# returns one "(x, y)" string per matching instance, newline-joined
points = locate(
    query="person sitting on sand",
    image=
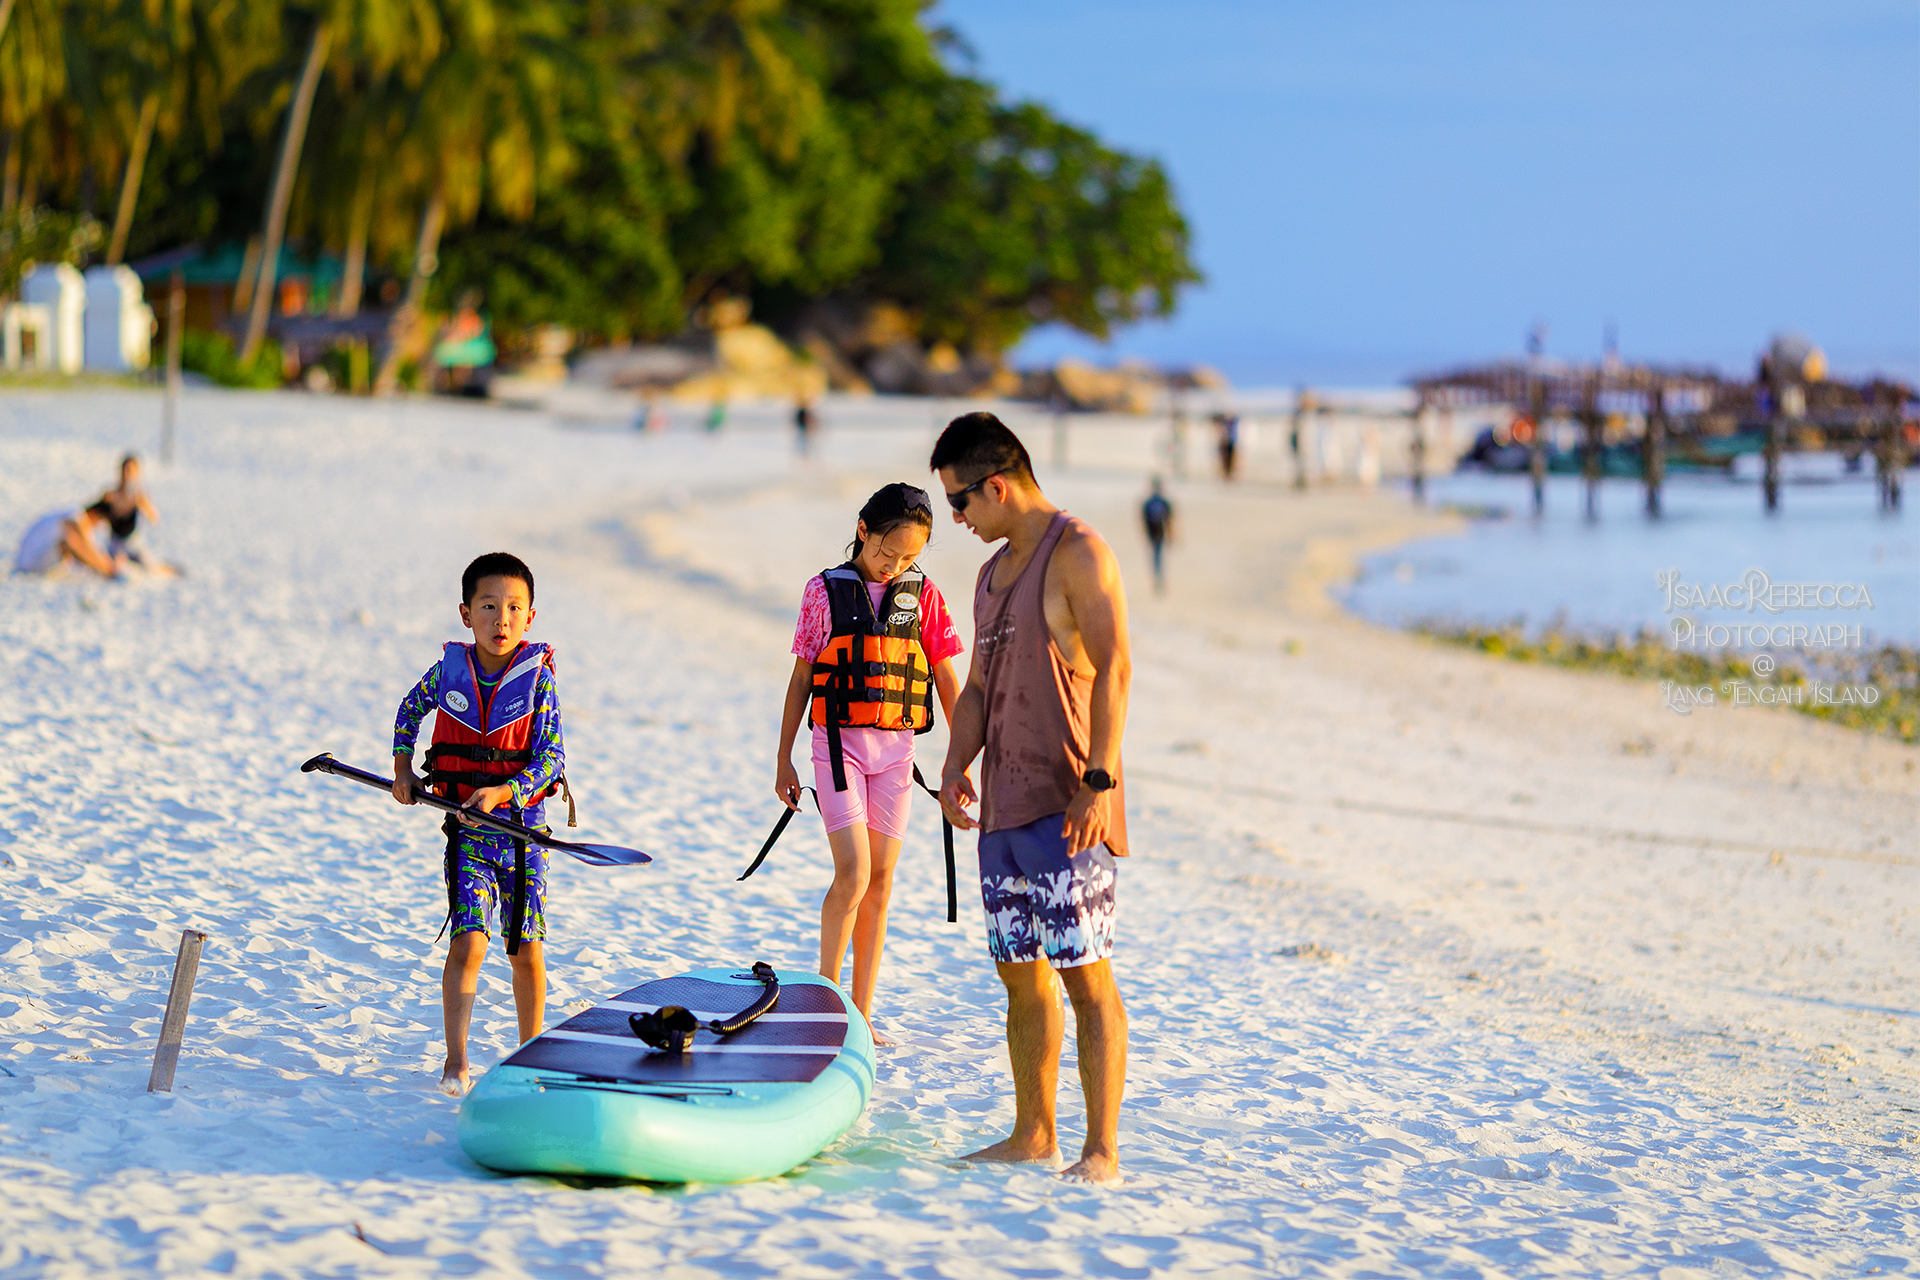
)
(877, 609)
(123, 506)
(496, 741)
(66, 536)
(1046, 701)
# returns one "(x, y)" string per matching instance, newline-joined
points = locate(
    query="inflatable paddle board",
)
(589, 1097)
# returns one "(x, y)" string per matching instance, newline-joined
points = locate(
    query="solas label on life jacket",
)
(456, 700)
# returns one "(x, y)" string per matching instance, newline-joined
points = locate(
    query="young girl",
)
(873, 645)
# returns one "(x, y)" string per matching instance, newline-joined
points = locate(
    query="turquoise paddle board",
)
(588, 1097)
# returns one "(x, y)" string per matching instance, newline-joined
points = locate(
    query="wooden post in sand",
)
(173, 1028)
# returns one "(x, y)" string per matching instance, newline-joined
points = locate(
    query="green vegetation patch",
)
(1892, 671)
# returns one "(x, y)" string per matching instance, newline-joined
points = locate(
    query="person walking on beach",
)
(1046, 700)
(1227, 427)
(873, 645)
(803, 424)
(496, 742)
(1157, 514)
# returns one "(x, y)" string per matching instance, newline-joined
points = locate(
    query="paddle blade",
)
(605, 855)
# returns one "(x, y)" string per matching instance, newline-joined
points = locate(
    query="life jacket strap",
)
(474, 751)
(517, 913)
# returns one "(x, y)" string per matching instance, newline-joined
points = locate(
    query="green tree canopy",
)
(626, 162)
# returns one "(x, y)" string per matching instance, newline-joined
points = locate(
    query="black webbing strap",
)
(473, 751)
(839, 683)
(946, 838)
(773, 837)
(517, 913)
(452, 827)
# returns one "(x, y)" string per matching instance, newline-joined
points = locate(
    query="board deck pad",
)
(794, 1043)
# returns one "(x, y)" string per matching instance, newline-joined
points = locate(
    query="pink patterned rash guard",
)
(938, 636)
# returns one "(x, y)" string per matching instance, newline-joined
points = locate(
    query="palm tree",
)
(33, 75)
(373, 36)
(483, 123)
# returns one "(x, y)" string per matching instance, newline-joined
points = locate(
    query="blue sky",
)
(1379, 187)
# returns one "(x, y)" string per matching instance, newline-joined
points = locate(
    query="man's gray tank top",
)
(1038, 708)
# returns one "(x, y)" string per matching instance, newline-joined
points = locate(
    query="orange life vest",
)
(873, 672)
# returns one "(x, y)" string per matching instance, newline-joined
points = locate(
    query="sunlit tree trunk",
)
(359, 221)
(407, 314)
(10, 178)
(283, 175)
(130, 182)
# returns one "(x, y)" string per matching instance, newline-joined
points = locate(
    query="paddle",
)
(600, 855)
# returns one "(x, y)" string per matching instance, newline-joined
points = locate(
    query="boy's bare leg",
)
(530, 989)
(458, 984)
(1035, 1024)
(850, 864)
(1100, 1036)
(870, 922)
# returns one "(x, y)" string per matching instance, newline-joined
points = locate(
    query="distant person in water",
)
(67, 536)
(1157, 514)
(1046, 701)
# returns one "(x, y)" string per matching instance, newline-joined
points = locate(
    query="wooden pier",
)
(1695, 417)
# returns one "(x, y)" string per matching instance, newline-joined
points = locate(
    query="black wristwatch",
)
(1099, 780)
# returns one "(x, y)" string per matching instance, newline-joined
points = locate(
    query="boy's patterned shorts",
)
(483, 886)
(1040, 902)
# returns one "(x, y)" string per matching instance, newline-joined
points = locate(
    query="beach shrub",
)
(212, 355)
(1893, 670)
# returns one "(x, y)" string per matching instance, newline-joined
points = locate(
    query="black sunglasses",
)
(958, 501)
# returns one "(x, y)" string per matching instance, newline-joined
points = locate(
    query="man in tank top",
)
(1046, 701)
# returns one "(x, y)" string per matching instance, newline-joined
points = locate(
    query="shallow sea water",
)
(1601, 576)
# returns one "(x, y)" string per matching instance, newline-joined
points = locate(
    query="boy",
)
(496, 742)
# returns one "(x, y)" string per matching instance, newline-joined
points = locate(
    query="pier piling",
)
(1537, 447)
(1653, 451)
(1770, 460)
(1590, 455)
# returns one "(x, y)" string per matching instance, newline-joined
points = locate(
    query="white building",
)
(62, 291)
(119, 323)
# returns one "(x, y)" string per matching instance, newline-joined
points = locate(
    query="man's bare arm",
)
(1090, 581)
(966, 736)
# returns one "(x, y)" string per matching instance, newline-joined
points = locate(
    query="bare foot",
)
(1101, 1170)
(1008, 1151)
(454, 1083)
(880, 1041)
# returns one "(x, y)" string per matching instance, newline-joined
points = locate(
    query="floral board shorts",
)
(483, 886)
(1041, 902)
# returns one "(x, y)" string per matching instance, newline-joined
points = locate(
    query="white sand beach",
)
(1437, 965)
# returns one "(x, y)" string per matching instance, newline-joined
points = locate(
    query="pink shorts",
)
(879, 767)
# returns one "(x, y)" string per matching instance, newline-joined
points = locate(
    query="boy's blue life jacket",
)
(481, 738)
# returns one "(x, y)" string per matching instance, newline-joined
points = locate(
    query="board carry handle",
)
(599, 855)
(671, 1028)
